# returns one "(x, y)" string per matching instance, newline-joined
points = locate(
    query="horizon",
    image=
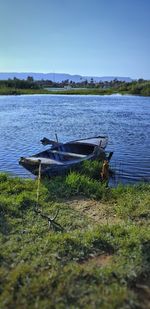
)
(59, 77)
(71, 74)
(90, 38)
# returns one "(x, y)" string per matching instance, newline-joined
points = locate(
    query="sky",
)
(87, 37)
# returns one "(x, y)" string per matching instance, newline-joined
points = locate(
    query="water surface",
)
(24, 120)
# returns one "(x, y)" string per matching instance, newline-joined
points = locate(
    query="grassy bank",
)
(99, 259)
(88, 91)
(73, 91)
(14, 91)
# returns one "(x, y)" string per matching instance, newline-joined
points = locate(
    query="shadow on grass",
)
(4, 225)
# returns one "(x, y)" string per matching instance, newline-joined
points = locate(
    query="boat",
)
(62, 157)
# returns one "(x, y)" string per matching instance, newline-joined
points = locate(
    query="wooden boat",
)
(62, 157)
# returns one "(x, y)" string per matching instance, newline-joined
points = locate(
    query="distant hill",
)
(59, 77)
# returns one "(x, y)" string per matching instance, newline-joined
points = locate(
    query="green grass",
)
(16, 91)
(41, 268)
(73, 91)
(88, 91)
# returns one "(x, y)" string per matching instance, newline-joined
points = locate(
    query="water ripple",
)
(24, 120)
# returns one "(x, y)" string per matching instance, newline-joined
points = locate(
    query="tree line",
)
(16, 83)
(136, 87)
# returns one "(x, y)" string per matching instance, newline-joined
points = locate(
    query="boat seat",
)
(43, 160)
(71, 154)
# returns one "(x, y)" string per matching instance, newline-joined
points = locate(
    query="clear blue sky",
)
(88, 37)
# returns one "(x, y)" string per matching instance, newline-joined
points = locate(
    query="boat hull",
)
(60, 159)
(51, 170)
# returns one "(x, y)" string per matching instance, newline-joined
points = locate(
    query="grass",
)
(141, 88)
(17, 91)
(88, 91)
(89, 264)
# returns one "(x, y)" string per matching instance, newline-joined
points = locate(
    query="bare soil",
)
(102, 213)
(99, 260)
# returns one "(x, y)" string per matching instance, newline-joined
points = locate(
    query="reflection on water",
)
(24, 120)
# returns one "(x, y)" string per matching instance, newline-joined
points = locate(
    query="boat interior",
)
(66, 152)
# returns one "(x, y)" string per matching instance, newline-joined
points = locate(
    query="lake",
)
(24, 120)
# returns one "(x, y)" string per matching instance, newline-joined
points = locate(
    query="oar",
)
(45, 141)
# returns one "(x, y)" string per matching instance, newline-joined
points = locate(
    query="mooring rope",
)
(38, 185)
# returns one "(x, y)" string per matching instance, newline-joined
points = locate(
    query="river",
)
(24, 120)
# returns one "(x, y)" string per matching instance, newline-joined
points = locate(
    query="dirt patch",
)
(99, 260)
(100, 212)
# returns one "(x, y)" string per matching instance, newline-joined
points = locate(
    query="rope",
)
(38, 185)
(51, 221)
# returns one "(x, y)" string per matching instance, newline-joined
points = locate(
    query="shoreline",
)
(17, 92)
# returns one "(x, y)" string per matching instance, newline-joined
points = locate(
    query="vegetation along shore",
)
(29, 86)
(81, 245)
